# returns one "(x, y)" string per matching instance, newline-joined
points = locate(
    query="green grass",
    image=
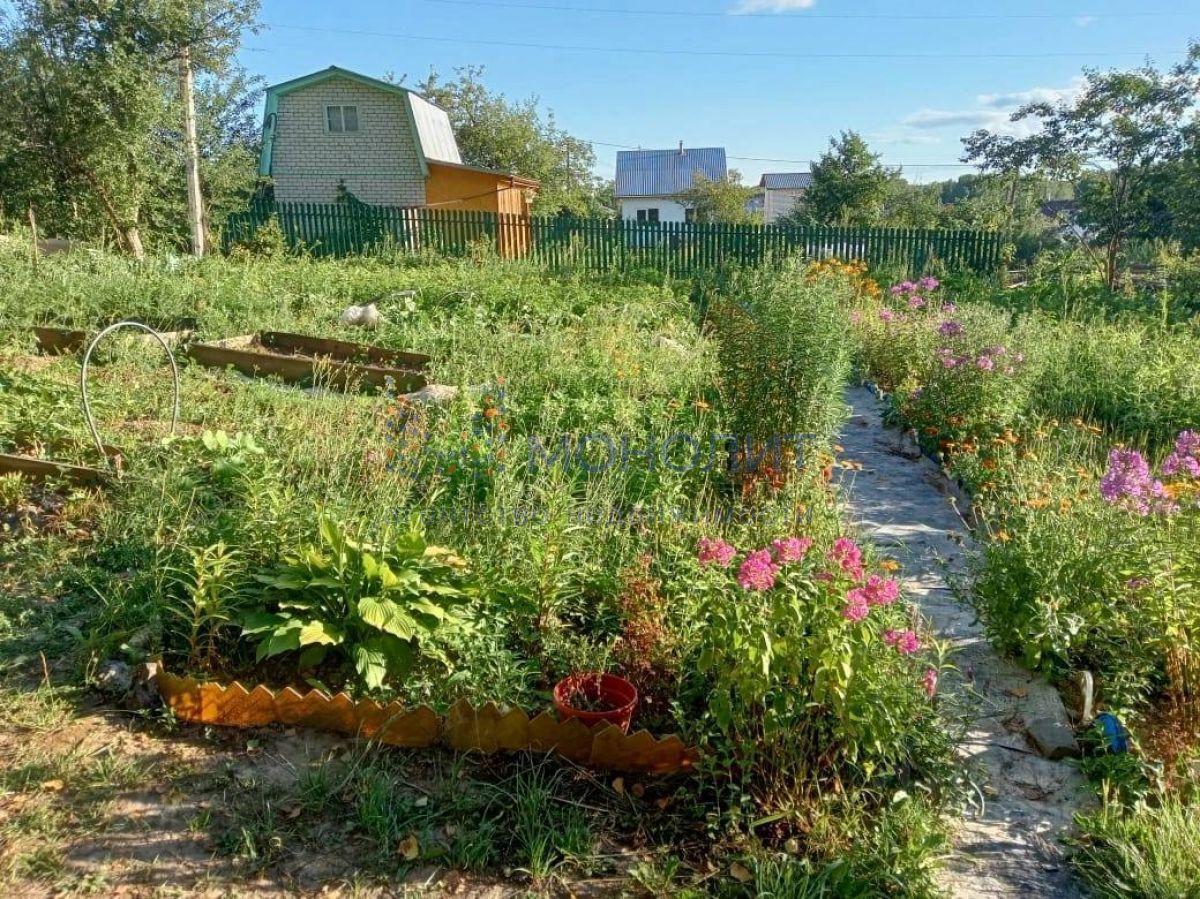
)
(163, 563)
(1149, 852)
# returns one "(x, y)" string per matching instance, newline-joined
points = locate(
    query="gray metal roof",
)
(663, 173)
(433, 128)
(785, 180)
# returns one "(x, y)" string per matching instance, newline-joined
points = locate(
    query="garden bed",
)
(297, 358)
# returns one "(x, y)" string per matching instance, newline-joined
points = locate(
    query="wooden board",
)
(59, 341)
(342, 350)
(241, 354)
(47, 468)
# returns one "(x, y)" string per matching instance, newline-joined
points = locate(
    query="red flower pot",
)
(611, 698)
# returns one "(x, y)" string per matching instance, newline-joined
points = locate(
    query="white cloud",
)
(1013, 99)
(912, 139)
(990, 111)
(1085, 21)
(945, 118)
(746, 6)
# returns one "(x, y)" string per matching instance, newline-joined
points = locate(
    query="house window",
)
(647, 215)
(341, 119)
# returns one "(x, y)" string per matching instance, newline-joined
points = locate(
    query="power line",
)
(658, 51)
(806, 16)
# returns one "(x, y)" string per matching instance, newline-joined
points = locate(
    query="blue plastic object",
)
(1115, 735)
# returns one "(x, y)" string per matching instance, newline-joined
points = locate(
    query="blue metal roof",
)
(662, 173)
(785, 180)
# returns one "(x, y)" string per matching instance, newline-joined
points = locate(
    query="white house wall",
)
(379, 163)
(668, 210)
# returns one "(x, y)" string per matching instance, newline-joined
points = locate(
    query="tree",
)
(719, 200)
(92, 101)
(849, 185)
(497, 133)
(1110, 141)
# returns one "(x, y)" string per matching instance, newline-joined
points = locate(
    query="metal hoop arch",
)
(83, 373)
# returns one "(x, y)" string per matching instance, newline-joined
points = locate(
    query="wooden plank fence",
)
(673, 248)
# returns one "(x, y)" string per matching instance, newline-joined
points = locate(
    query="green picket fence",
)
(674, 248)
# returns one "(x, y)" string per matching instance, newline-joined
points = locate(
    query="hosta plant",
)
(382, 606)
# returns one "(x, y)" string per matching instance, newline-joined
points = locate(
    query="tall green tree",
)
(849, 185)
(515, 136)
(93, 102)
(720, 200)
(1110, 141)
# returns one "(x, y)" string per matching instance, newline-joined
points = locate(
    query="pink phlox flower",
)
(930, 682)
(857, 607)
(904, 642)
(886, 315)
(915, 302)
(758, 571)
(715, 552)
(929, 283)
(985, 363)
(950, 329)
(949, 307)
(881, 591)
(846, 554)
(791, 549)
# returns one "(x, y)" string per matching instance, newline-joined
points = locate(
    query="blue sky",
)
(763, 78)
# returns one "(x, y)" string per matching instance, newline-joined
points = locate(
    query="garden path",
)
(1009, 843)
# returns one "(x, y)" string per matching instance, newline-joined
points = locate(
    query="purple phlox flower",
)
(791, 549)
(950, 329)
(715, 552)
(1127, 483)
(886, 315)
(1186, 457)
(904, 287)
(929, 283)
(758, 571)
(949, 307)
(985, 363)
(995, 351)
(896, 290)
(950, 361)
(916, 302)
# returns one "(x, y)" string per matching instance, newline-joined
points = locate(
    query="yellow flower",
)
(889, 565)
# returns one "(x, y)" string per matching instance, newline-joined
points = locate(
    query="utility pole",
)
(191, 153)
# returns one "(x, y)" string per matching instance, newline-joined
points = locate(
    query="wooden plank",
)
(40, 469)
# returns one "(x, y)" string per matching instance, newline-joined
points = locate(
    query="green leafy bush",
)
(383, 606)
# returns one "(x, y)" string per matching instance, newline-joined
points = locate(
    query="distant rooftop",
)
(663, 173)
(786, 180)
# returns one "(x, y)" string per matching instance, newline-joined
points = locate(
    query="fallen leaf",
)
(52, 786)
(619, 786)
(409, 848)
(421, 801)
(740, 873)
